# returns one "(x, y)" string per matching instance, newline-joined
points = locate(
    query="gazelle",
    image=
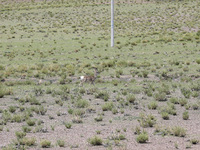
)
(88, 78)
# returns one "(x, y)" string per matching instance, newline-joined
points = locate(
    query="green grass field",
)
(150, 80)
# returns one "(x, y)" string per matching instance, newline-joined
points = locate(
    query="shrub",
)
(119, 137)
(33, 100)
(131, 98)
(183, 101)
(95, 141)
(39, 122)
(114, 111)
(21, 108)
(6, 116)
(186, 92)
(195, 94)
(195, 86)
(163, 131)
(145, 74)
(17, 118)
(45, 144)
(1, 128)
(118, 73)
(61, 143)
(121, 63)
(178, 131)
(20, 135)
(82, 91)
(30, 122)
(62, 81)
(82, 103)
(51, 117)
(148, 92)
(188, 145)
(153, 105)
(170, 109)
(70, 70)
(77, 119)
(2, 92)
(103, 95)
(40, 110)
(65, 89)
(165, 115)
(27, 141)
(124, 91)
(142, 138)
(12, 109)
(26, 129)
(79, 112)
(48, 91)
(98, 132)
(185, 115)
(2, 122)
(2, 67)
(174, 100)
(107, 106)
(59, 102)
(99, 118)
(160, 96)
(137, 130)
(147, 120)
(68, 125)
(187, 107)
(70, 111)
(198, 61)
(194, 141)
(195, 106)
(38, 91)
(115, 82)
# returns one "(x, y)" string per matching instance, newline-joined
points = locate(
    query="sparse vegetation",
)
(185, 115)
(61, 143)
(99, 118)
(153, 105)
(131, 98)
(2, 91)
(30, 122)
(178, 131)
(45, 144)
(107, 106)
(28, 141)
(142, 137)
(68, 125)
(165, 115)
(194, 141)
(151, 74)
(147, 120)
(20, 135)
(95, 141)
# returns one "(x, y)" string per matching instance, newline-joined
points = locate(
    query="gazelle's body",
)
(40, 81)
(88, 78)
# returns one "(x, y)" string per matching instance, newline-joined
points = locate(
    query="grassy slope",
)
(160, 38)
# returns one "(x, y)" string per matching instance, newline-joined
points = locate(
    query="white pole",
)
(112, 23)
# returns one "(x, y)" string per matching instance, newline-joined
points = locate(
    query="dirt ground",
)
(112, 125)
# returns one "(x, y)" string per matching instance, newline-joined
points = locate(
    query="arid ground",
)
(146, 95)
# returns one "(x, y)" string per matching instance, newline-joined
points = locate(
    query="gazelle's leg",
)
(92, 82)
(82, 81)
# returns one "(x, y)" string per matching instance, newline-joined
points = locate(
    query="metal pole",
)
(112, 23)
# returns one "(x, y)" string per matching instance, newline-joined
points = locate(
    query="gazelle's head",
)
(81, 77)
